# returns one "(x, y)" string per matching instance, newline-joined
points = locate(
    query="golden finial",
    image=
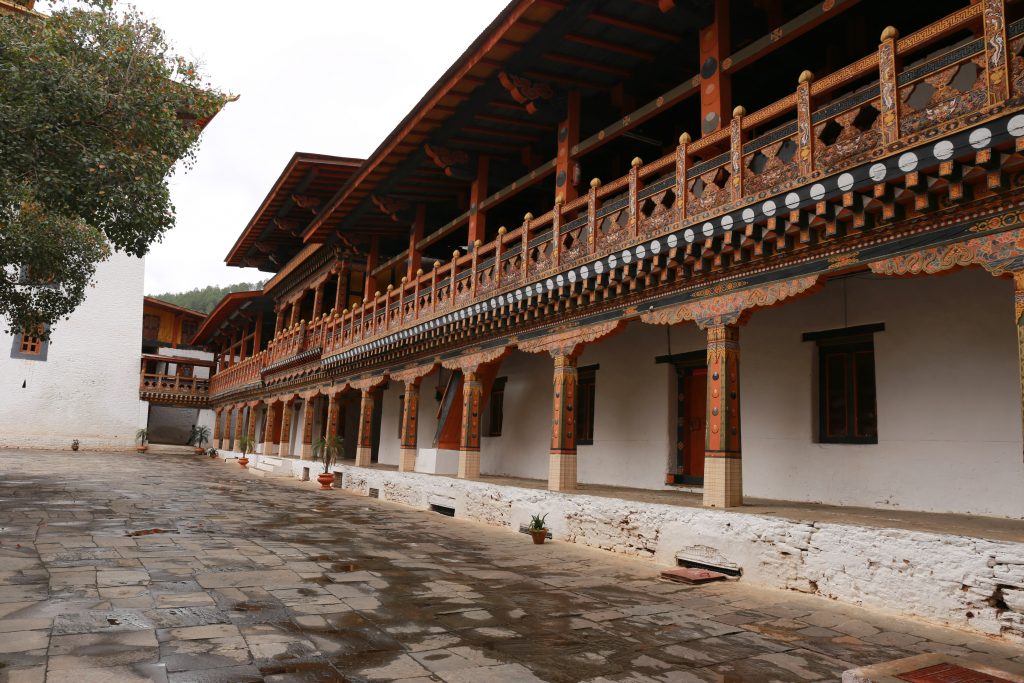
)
(403, 280)
(595, 183)
(528, 217)
(419, 271)
(476, 244)
(806, 76)
(502, 230)
(738, 112)
(455, 254)
(890, 33)
(684, 139)
(376, 294)
(636, 163)
(390, 287)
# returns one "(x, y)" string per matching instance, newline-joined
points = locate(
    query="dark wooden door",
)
(691, 418)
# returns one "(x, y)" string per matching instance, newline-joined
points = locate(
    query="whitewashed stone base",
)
(437, 461)
(969, 583)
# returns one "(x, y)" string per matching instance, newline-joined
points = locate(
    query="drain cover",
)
(949, 673)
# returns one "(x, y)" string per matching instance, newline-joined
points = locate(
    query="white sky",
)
(327, 76)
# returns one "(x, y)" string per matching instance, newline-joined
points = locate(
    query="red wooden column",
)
(568, 137)
(218, 416)
(469, 440)
(318, 300)
(341, 289)
(308, 411)
(370, 284)
(267, 439)
(478, 193)
(284, 440)
(562, 465)
(239, 419)
(410, 410)
(715, 88)
(723, 468)
(251, 428)
(364, 451)
(415, 235)
(332, 415)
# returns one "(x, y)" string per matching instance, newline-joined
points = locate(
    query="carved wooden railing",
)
(784, 145)
(179, 385)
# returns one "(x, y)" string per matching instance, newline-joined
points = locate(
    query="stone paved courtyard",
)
(124, 567)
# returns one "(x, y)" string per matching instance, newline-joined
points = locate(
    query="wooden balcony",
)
(715, 208)
(180, 387)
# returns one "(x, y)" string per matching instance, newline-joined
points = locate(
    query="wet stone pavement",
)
(121, 567)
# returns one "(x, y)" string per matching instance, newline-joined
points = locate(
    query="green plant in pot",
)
(328, 449)
(245, 446)
(141, 437)
(200, 436)
(538, 528)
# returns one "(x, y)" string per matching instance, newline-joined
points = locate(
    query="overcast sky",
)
(327, 76)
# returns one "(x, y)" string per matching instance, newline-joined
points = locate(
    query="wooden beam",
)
(715, 87)
(610, 46)
(415, 235)
(587, 64)
(370, 284)
(511, 121)
(477, 193)
(565, 162)
(634, 27)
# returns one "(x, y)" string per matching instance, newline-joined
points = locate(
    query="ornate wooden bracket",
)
(414, 373)
(288, 225)
(389, 206)
(569, 341)
(368, 383)
(446, 159)
(473, 360)
(524, 91)
(731, 308)
(312, 393)
(306, 202)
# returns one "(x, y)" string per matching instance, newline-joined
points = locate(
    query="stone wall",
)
(969, 583)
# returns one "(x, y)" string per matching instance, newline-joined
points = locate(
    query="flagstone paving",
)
(121, 567)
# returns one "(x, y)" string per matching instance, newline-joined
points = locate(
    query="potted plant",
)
(141, 437)
(327, 449)
(212, 452)
(537, 528)
(200, 435)
(245, 445)
(74, 444)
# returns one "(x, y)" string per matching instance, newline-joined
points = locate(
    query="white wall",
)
(390, 444)
(949, 404)
(199, 371)
(88, 387)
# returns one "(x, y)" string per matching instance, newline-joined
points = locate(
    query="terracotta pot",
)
(539, 536)
(326, 480)
(141, 449)
(244, 462)
(213, 455)
(200, 451)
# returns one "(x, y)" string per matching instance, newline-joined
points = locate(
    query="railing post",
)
(736, 152)
(682, 168)
(433, 288)
(634, 182)
(887, 86)
(556, 234)
(994, 19)
(416, 294)
(804, 136)
(526, 246)
(592, 206)
(387, 307)
(473, 274)
(453, 270)
(499, 248)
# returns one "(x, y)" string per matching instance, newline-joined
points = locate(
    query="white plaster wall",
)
(199, 371)
(88, 388)
(522, 448)
(948, 392)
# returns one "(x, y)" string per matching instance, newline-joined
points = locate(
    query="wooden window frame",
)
(496, 407)
(22, 348)
(586, 402)
(852, 344)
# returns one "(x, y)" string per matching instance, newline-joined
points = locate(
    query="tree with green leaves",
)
(96, 109)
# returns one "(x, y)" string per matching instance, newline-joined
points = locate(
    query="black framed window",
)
(495, 407)
(586, 394)
(847, 406)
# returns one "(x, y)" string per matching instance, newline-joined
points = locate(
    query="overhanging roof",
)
(274, 233)
(228, 306)
(174, 308)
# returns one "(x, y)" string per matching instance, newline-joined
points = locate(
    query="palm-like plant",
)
(245, 445)
(200, 435)
(142, 436)
(328, 449)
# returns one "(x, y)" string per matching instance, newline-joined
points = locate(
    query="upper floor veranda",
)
(899, 147)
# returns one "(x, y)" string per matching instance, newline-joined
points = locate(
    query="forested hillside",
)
(205, 298)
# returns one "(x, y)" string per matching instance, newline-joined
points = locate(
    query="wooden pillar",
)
(469, 440)
(568, 137)
(370, 284)
(410, 413)
(364, 451)
(218, 416)
(562, 465)
(257, 335)
(318, 300)
(332, 415)
(284, 444)
(339, 293)
(415, 235)
(478, 193)
(266, 447)
(723, 469)
(239, 420)
(306, 449)
(715, 88)
(280, 315)
(251, 430)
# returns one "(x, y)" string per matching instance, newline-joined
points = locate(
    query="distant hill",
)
(205, 298)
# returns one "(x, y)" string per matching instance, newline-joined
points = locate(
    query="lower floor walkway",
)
(164, 567)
